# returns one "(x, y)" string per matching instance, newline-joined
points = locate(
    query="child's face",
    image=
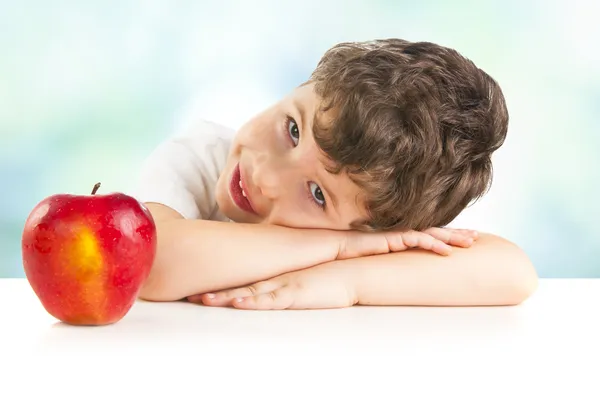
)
(283, 174)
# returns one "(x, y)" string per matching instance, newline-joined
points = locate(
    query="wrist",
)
(350, 274)
(349, 244)
(327, 241)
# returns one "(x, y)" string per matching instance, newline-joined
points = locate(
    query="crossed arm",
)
(207, 262)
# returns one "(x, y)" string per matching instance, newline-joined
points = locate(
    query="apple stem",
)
(95, 188)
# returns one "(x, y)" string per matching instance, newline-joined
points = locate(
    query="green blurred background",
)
(88, 89)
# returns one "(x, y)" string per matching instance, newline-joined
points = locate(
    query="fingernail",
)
(210, 296)
(470, 241)
(239, 299)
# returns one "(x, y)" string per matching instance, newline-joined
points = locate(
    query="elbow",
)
(159, 285)
(165, 284)
(523, 283)
(521, 279)
(153, 288)
(510, 277)
(151, 292)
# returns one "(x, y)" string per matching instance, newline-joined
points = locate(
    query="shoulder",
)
(201, 134)
(182, 171)
(198, 142)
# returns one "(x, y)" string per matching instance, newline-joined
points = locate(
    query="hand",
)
(329, 285)
(439, 240)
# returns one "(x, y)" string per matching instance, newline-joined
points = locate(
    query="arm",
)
(195, 256)
(177, 182)
(491, 272)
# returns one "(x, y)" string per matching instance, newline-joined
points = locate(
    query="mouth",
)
(239, 192)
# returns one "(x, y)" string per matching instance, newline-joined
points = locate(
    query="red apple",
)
(87, 256)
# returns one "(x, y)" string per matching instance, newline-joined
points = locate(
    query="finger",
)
(224, 298)
(195, 298)
(415, 239)
(472, 233)
(451, 237)
(468, 232)
(277, 299)
(428, 242)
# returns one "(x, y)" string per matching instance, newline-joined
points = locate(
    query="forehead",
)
(305, 98)
(349, 203)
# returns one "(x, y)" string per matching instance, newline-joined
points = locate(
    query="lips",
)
(239, 191)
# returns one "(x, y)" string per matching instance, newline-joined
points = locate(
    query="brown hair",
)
(414, 124)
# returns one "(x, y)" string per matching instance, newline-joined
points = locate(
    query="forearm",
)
(491, 272)
(197, 256)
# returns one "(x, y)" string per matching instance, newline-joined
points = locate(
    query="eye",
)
(317, 194)
(293, 130)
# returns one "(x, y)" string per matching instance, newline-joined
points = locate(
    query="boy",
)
(384, 145)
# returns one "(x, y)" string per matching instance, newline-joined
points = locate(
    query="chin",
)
(239, 220)
(231, 211)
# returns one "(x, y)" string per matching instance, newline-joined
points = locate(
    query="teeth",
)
(243, 193)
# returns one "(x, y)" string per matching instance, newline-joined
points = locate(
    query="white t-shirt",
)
(182, 172)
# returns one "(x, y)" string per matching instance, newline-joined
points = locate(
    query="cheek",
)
(260, 133)
(292, 211)
(222, 186)
(298, 219)
(221, 189)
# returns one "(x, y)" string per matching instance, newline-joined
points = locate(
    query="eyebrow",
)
(306, 127)
(302, 112)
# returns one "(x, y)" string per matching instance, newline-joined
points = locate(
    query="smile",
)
(239, 192)
(242, 188)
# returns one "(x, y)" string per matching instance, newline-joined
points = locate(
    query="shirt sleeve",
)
(182, 172)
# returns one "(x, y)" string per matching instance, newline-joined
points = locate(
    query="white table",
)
(172, 349)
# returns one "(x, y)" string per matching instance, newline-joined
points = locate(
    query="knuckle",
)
(442, 237)
(252, 289)
(427, 240)
(390, 242)
(418, 235)
(273, 295)
(407, 239)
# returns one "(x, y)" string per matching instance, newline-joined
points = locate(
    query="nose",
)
(270, 176)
